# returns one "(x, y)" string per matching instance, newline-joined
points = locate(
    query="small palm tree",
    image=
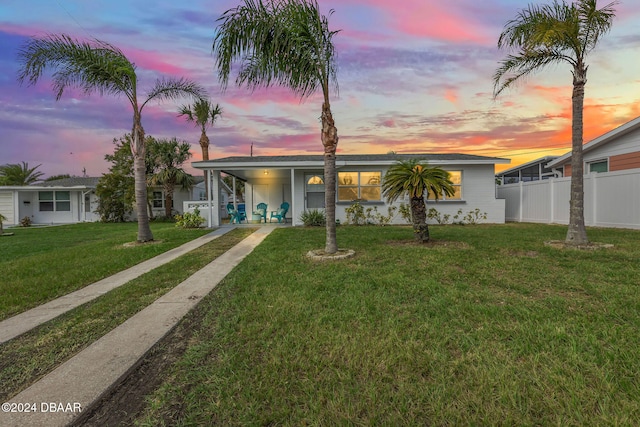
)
(98, 66)
(552, 34)
(15, 174)
(168, 157)
(286, 43)
(416, 180)
(202, 114)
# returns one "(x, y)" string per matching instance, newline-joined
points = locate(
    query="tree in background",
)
(416, 180)
(168, 156)
(552, 34)
(19, 174)
(98, 66)
(202, 114)
(116, 189)
(285, 43)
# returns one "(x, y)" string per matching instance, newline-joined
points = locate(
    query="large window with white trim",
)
(456, 179)
(365, 186)
(54, 201)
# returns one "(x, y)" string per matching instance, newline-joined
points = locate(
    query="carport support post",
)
(209, 191)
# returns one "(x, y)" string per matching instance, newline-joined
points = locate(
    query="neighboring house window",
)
(54, 201)
(87, 202)
(158, 200)
(202, 195)
(456, 179)
(359, 186)
(598, 166)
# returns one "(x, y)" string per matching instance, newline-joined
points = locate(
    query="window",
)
(456, 179)
(54, 201)
(314, 191)
(359, 186)
(158, 200)
(598, 166)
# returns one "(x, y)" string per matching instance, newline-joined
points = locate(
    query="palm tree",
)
(286, 43)
(416, 180)
(15, 174)
(2, 218)
(168, 157)
(552, 34)
(98, 66)
(202, 113)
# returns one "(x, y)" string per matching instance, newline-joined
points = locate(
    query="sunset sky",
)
(415, 76)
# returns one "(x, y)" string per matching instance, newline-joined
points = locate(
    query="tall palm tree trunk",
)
(168, 198)
(204, 144)
(330, 142)
(577, 233)
(140, 180)
(419, 219)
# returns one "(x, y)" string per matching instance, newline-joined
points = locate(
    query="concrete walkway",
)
(57, 398)
(23, 322)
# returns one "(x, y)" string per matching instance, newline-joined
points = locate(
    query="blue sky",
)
(414, 76)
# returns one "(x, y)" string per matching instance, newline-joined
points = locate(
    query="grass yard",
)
(40, 264)
(493, 328)
(32, 355)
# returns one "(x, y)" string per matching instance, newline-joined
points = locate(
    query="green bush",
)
(313, 218)
(357, 215)
(189, 219)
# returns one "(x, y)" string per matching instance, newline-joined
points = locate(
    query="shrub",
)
(405, 213)
(313, 218)
(472, 217)
(475, 216)
(355, 214)
(189, 219)
(25, 222)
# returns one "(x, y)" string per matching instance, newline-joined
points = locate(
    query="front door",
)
(314, 191)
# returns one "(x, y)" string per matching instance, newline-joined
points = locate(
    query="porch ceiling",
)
(256, 173)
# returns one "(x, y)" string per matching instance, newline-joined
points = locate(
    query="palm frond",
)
(95, 66)
(171, 88)
(415, 179)
(552, 33)
(286, 43)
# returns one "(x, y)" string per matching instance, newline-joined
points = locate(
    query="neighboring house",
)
(535, 170)
(62, 201)
(70, 200)
(616, 150)
(611, 183)
(299, 180)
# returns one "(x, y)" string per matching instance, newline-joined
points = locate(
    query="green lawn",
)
(492, 329)
(32, 355)
(40, 264)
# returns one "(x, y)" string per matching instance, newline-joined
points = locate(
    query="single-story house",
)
(62, 201)
(616, 150)
(534, 170)
(299, 180)
(72, 200)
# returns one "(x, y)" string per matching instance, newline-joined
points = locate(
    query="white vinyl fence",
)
(611, 199)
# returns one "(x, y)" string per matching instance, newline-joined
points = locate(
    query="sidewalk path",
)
(89, 374)
(25, 321)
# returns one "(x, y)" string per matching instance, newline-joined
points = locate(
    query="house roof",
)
(89, 182)
(542, 160)
(599, 141)
(75, 183)
(342, 160)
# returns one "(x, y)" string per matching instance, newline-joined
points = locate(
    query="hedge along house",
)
(63, 201)
(299, 180)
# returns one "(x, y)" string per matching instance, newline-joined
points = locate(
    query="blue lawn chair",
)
(281, 213)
